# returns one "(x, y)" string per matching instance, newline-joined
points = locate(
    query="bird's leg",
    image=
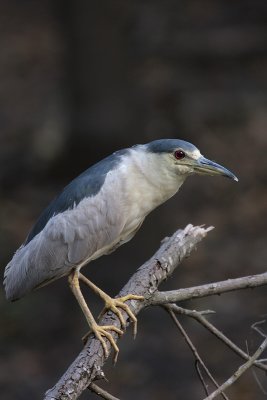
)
(115, 304)
(98, 330)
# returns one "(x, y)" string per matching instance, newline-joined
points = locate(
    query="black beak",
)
(208, 167)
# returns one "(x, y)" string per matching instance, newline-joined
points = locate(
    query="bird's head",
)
(184, 158)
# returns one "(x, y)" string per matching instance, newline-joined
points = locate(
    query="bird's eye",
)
(179, 154)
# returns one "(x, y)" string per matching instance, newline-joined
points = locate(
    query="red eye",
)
(179, 154)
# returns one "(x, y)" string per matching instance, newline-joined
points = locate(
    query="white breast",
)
(130, 192)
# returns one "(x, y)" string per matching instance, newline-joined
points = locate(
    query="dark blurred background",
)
(80, 79)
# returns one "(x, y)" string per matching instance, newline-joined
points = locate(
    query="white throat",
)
(149, 181)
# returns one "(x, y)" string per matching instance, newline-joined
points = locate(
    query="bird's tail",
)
(15, 276)
(32, 266)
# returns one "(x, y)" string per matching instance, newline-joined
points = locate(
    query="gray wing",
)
(86, 185)
(68, 240)
(76, 225)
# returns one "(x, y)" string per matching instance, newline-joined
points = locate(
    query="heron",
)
(96, 213)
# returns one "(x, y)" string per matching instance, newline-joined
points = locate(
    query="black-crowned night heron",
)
(96, 213)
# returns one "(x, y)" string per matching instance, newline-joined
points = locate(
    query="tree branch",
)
(198, 316)
(101, 392)
(88, 365)
(243, 368)
(195, 353)
(209, 289)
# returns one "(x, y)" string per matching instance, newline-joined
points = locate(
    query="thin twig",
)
(257, 379)
(193, 349)
(255, 376)
(202, 380)
(254, 373)
(239, 372)
(203, 321)
(101, 392)
(256, 327)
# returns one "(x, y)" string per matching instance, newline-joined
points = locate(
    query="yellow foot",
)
(119, 302)
(101, 331)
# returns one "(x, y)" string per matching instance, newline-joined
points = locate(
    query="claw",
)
(101, 331)
(119, 302)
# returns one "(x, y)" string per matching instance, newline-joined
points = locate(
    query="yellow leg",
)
(98, 330)
(115, 304)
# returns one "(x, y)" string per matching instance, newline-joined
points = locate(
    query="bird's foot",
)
(119, 302)
(110, 304)
(101, 332)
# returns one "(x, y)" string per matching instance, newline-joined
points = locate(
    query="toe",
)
(130, 297)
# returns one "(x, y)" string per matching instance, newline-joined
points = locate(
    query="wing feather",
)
(67, 241)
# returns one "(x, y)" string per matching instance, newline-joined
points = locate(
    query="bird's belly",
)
(125, 237)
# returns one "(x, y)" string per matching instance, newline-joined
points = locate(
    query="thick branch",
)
(209, 289)
(88, 365)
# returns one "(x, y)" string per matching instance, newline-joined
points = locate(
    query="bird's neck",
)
(150, 182)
